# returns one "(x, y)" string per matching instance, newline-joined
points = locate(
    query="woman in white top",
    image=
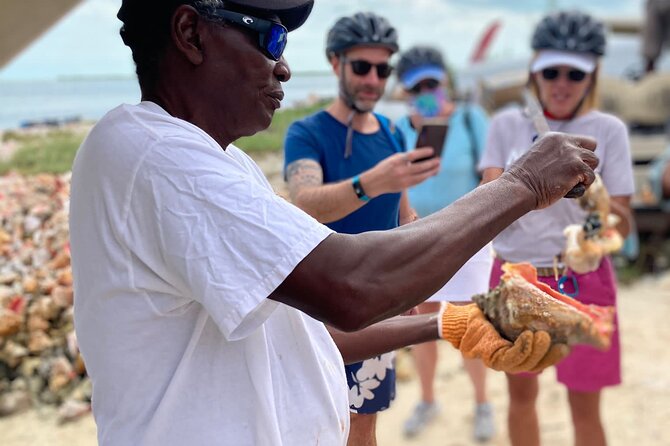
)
(563, 76)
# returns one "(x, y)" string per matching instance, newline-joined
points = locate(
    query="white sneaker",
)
(423, 414)
(484, 428)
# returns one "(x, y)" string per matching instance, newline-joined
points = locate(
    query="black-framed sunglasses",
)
(426, 84)
(574, 75)
(272, 36)
(363, 67)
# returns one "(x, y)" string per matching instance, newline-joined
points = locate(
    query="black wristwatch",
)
(358, 189)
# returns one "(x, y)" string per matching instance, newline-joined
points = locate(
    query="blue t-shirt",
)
(457, 174)
(321, 137)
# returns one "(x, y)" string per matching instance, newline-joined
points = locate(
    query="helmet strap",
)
(349, 101)
(349, 141)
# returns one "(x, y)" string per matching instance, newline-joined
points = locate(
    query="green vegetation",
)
(53, 151)
(272, 139)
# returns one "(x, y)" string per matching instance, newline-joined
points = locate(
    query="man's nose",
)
(282, 70)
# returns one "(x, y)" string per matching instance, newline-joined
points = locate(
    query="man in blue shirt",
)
(346, 167)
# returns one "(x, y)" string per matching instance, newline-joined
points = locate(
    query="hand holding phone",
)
(433, 133)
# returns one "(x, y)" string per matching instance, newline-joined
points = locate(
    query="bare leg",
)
(585, 409)
(524, 428)
(484, 423)
(477, 371)
(425, 357)
(363, 429)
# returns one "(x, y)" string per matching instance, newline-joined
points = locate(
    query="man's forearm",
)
(385, 336)
(421, 257)
(328, 202)
(369, 277)
(325, 202)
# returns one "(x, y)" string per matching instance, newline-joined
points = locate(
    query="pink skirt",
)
(586, 369)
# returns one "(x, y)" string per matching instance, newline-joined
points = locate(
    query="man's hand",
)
(398, 172)
(467, 329)
(554, 165)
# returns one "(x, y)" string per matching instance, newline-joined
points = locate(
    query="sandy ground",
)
(635, 413)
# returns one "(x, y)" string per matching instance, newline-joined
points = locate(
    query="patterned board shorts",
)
(371, 384)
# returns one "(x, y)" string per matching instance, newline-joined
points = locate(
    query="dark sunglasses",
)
(426, 84)
(550, 74)
(363, 67)
(271, 35)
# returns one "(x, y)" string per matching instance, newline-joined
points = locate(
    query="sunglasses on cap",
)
(574, 75)
(363, 67)
(272, 36)
(426, 84)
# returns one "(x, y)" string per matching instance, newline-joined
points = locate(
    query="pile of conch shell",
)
(588, 243)
(39, 358)
(520, 302)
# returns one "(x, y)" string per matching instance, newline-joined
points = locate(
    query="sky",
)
(86, 41)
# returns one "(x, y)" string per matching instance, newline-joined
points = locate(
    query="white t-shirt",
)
(472, 278)
(176, 245)
(538, 236)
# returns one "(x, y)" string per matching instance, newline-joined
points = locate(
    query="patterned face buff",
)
(430, 103)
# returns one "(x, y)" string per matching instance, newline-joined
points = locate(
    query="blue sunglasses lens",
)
(275, 41)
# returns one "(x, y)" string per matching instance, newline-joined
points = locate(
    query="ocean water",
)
(22, 102)
(90, 98)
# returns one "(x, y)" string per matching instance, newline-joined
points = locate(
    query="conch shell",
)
(587, 244)
(522, 303)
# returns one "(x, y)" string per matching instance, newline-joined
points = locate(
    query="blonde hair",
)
(589, 103)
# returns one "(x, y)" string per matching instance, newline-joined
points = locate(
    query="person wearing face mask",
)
(563, 76)
(428, 88)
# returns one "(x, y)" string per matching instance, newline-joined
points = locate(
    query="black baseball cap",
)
(146, 16)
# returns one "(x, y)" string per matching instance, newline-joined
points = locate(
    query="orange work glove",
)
(467, 329)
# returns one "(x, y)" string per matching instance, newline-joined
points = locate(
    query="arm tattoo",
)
(301, 174)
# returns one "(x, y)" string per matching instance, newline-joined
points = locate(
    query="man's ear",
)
(335, 61)
(185, 33)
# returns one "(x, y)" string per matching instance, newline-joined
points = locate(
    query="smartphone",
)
(432, 134)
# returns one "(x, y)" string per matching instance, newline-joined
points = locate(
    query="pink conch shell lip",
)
(521, 302)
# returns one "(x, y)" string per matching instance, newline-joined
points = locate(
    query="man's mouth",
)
(276, 96)
(369, 94)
